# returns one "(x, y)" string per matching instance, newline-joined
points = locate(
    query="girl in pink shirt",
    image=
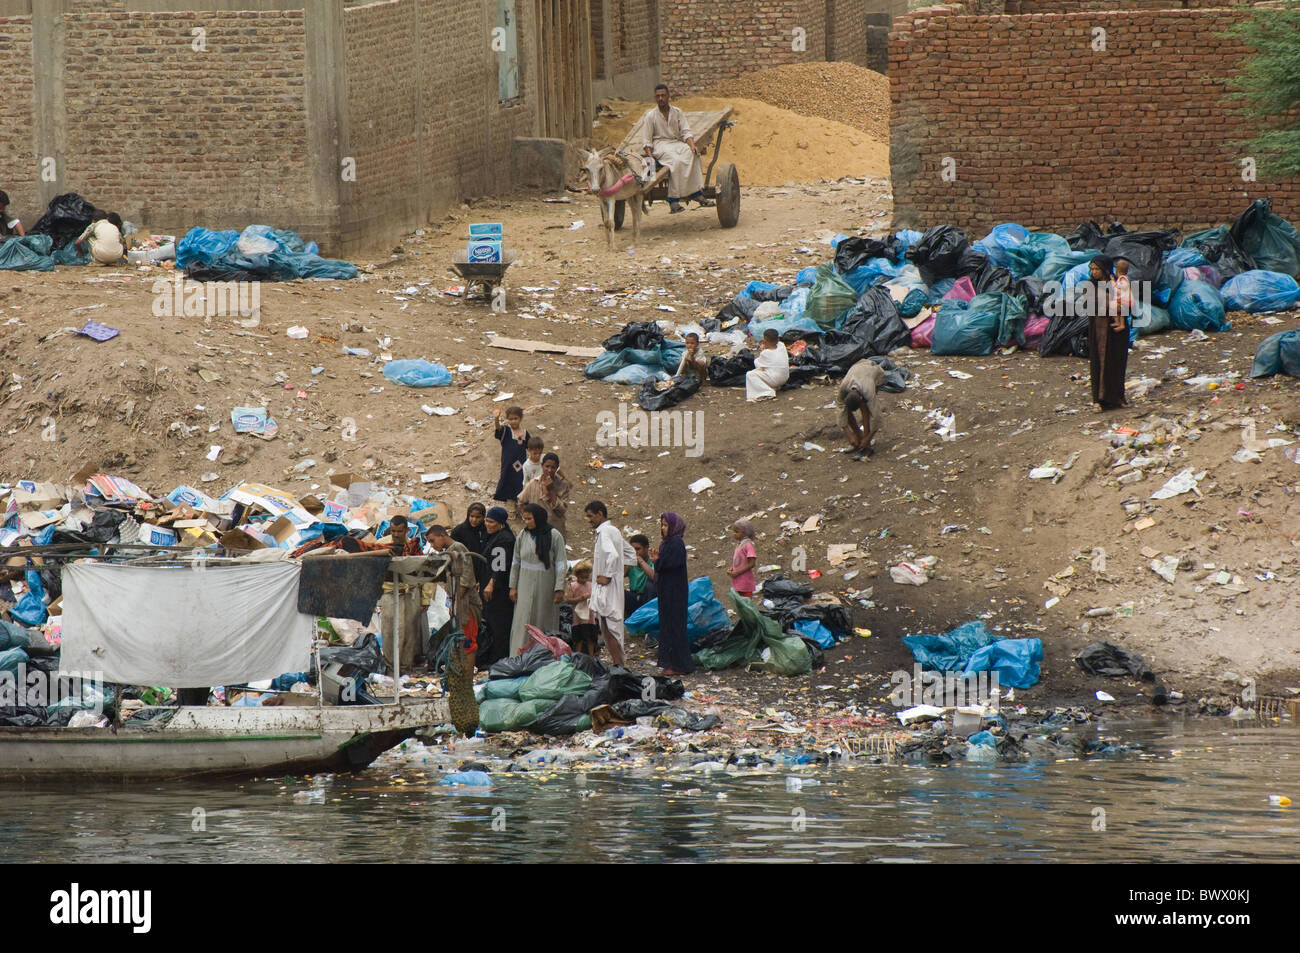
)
(744, 560)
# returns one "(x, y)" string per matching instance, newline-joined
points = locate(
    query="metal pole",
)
(397, 642)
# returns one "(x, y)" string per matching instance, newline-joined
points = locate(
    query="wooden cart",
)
(724, 189)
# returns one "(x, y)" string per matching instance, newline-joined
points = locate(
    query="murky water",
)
(1197, 791)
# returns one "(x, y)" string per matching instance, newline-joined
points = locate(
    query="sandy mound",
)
(769, 145)
(843, 92)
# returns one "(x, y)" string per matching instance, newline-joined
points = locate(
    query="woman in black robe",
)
(1107, 345)
(498, 610)
(670, 580)
(473, 535)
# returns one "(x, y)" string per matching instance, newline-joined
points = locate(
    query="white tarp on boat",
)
(184, 627)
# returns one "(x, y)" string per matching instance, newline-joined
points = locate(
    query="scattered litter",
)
(433, 477)
(700, 485)
(1166, 568)
(1104, 697)
(98, 332)
(960, 375)
(297, 332)
(908, 574)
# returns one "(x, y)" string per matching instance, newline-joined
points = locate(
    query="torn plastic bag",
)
(417, 373)
(831, 296)
(1016, 661)
(1270, 240)
(1257, 291)
(638, 335)
(874, 320)
(990, 279)
(1025, 258)
(364, 654)
(566, 716)
(650, 396)
(1000, 240)
(971, 648)
(1220, 249)
(787, 653)
(704, 613)
(854, 251)
(514, 666)
(65, 218)
(730, 371)
(938, 253)
(1278, 353)
(1197, 306)
(1144, 251)
(1102, 658)
(22, 253)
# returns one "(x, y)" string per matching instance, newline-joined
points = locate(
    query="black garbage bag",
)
(1065, 334)
(1227, 257)
(993, 279)
(854, 251)
(633, 708)
(640, 335)
(1270, 240)
(772, 294)
(834, 355)
(739, 308)
(64, 220)
(562, 718)
(672, 717)
(971, 261)
(1102, 658)
(896, 376)
(779, 587)
(103, 528)
(650, 397)
(938, 253)
(876, 323)
(1144, 251)
(1086, 237)
(710, 325)
(730, 371)
(364, 654)
(1031, 289)
(517, 666)
(589, 664)
(816, 653)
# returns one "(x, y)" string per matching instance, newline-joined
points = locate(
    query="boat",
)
(309, 736)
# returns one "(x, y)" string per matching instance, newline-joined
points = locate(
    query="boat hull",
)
(219, 742)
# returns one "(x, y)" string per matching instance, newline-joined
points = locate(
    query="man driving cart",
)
(668, 139)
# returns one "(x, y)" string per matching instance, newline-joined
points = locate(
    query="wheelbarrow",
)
(483, 278)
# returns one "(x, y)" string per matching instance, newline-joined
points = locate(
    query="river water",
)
(1197, 790)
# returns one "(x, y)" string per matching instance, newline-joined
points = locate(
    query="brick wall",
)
(635, 25)
(18, 169)
(846, 31)
(705, 41)
(167, 134)
(1045, 131)
(598, 38)
(425, 137)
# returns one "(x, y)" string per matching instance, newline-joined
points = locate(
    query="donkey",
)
(611, 177)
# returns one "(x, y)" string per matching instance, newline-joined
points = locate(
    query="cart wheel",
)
(728, 185)
(620, 210)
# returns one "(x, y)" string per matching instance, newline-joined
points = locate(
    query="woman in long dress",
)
(1107, 341)
(670, 578)
(550, 491)
(498, 610)
(536, 576)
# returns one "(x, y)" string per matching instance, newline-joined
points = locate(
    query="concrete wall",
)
(1042, 129)
(349, 122)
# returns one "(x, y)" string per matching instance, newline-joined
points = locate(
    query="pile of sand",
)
(843, 92)
(769, 145)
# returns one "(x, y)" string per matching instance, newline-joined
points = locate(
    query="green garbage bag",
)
(831, 297)
(503, 688)
(1269, 239)
(753, 632)
(551, 682)
(1024, 259)
(506, 714)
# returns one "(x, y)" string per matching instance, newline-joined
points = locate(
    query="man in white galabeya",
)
(667, 137)
(611, 553)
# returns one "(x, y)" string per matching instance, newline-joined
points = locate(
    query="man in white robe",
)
(771, 368)
(610, 554)
(667, 137)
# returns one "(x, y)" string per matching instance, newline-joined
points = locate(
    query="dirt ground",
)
(138, 407)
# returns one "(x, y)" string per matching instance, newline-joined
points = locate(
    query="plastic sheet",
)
(1257, 291)
(417, 373)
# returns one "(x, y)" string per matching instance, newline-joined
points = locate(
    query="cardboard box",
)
(38, 496)
(237, 539)
(439, 513)
(152, 535)
(488, 230)
(483, 251)
(39, 519)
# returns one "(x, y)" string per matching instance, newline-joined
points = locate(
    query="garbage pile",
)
(258, 253)
(1012, 287)
(970, 649)
(550, 690)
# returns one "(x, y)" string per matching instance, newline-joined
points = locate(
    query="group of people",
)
(104, 238)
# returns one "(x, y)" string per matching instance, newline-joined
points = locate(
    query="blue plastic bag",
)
(783, 324)
(1185, 257)
(814, 629)
(1256, 291)
(24, 253)
(10, 659)
(1016, 661)
(757, 286)
(795, 305)
(999, 240)
(1024, 259)
(474, 779)
(1057, 263)
(1147, 319)
(1197, 305)
(971, 648)
(806, 276)
(30, 609)
(1278, 352)
(865, 275)
(417, 373)
(201, 246)
(704, 613)
(939, 289)
(635, 374)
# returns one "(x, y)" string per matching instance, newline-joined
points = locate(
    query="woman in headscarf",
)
(473, 535)
(498, 610)
(550, 491)
(1107, 340)
(536, 576)
(670, 578)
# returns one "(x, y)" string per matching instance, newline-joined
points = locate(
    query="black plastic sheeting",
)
(1144, 251)
(854, 251)
(639, 335)
(65, 219)
(649, 397)
(730, 371)
(1103, 658)
(938, 253)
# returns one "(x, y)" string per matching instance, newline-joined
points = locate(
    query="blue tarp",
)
(258, 253)
(971, 648)
(415, 373)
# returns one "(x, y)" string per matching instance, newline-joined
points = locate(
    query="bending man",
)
(857, 395)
